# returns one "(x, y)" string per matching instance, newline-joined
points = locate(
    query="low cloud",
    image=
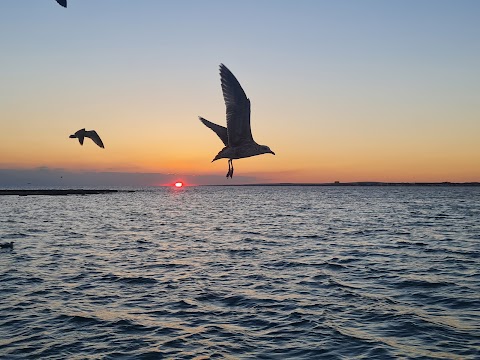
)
(45, 177)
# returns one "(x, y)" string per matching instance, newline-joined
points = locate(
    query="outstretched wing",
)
(62, 2)
(238, 109)
(221, 131)
(79, 135)
(92, 134)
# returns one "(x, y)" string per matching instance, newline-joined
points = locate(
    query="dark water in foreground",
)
(242, 272)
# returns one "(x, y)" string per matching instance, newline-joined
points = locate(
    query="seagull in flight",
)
(237, 136)
(92, 134)
(62, 2)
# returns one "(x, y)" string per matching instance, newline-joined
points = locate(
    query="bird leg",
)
(230, 168)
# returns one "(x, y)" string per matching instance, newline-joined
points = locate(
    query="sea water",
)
(242, 272)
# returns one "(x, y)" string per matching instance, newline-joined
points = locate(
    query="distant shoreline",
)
(360, 183)
(62, 192)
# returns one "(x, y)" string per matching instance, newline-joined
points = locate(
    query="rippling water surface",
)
(242, 272)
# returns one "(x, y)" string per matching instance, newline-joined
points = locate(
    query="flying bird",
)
(92, 134)
(237, 136)
(62, 2)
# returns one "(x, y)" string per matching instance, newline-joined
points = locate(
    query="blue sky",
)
(337, 87)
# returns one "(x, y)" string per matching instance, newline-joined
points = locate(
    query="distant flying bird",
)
(237, 136)
(62, 2)
(92, 134)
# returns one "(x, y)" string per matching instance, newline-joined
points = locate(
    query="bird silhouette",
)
(92, 134)
(62, 2)
(237, 136)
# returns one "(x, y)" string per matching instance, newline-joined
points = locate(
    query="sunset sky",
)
(340, 90)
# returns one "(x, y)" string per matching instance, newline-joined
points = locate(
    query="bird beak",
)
(272, 152)
(72, 136)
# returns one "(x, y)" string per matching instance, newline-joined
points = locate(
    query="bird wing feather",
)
(238, 109)
(92, 134)
(221, 131)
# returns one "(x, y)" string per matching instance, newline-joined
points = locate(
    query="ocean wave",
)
(131, 280)
(367, 273)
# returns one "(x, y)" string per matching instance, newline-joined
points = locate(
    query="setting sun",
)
(179, 184)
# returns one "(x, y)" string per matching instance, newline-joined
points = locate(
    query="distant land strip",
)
(363, 183)
(59, 192)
